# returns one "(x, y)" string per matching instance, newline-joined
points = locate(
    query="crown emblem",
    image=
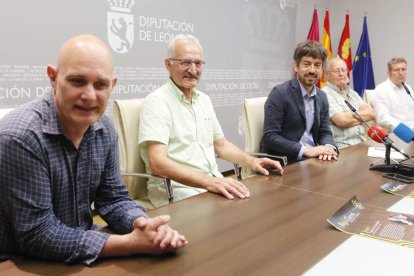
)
(121, 5)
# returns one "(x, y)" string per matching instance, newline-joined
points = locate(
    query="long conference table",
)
(280, 230)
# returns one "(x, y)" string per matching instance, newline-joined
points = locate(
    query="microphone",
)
(352, 108)
(404, 132)
(407, 90)
(380, 135)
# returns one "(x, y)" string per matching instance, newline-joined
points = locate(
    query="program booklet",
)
(400, 189)
(366, 220)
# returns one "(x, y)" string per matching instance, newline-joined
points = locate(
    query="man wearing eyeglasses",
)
(180, 136)
(346, 127)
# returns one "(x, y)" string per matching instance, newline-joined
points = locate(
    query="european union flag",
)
(363, 75)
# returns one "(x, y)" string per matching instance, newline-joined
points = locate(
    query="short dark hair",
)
(310, 49)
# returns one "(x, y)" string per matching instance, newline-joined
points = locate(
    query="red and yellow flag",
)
(344, 48)
(326, 40)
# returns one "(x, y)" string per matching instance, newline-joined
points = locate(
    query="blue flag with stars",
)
(362, 73)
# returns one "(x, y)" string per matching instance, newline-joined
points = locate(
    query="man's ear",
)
(168, 64)
(114, 81)
(52, 73)
(296, 67)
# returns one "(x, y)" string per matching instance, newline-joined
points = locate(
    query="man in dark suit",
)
(297, 112)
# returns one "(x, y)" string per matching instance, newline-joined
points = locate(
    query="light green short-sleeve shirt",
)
(344, 137)
(189, 129)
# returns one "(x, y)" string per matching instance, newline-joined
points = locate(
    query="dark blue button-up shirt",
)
(47, 186)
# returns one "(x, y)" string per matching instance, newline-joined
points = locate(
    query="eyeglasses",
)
(188, 62)
(340, 70)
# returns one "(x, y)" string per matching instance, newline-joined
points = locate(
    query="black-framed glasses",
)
(184, 62)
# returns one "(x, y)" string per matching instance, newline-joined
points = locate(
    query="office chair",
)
(253, 120)
(126, 121)
(369, 97)
(4, 111)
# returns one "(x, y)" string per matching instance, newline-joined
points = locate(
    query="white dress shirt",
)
(393, 105)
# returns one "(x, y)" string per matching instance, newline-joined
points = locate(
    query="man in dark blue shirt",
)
(58, 154)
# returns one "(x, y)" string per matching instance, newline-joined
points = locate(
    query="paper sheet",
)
(379, 152)
(360, 255)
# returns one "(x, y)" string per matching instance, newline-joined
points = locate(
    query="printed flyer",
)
(365, 220)
(400, 189)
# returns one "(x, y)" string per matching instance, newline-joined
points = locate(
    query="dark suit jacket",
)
(285, 121)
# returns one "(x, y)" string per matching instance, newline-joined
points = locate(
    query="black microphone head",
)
(350, 106)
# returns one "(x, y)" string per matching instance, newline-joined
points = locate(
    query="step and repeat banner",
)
(248, 46)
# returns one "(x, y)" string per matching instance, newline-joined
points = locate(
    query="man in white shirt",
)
(392, 103)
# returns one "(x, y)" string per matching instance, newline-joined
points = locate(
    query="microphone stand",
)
(398, 167)
(407, 90)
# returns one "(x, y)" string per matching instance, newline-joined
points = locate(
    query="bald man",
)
(58, 155)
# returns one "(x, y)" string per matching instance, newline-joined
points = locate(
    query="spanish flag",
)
(344, 48)
(326, 40)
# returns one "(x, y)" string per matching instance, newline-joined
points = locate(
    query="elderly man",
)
(345, 125)
(180, 136)
(58, 154)
(392, 102)
(297, 112)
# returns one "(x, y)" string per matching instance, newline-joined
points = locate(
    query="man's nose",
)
(192, 68)
(89, 93)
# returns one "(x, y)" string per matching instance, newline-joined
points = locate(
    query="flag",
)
(363, 74)
(326, 40)
(314, 29)
(344, 48)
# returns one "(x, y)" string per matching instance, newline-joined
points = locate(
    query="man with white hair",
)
(346, 127)
(180, 136)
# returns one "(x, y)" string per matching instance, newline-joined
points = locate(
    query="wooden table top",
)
(280, 230)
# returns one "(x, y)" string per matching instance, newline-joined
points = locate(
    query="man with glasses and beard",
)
(180, 136)
(297, 112)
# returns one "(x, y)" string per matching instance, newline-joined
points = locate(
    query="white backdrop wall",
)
(245, 44)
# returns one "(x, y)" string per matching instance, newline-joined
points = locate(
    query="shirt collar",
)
(180, 95)
(336, 88)
(305, 93)
(393, 84)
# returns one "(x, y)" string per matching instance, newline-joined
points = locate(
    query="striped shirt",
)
(349, 136)
(48, 186)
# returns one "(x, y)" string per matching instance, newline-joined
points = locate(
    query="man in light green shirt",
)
(346, 127)
(180, 136)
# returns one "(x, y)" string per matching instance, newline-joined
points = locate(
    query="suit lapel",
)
(316, 117)
(298, 98)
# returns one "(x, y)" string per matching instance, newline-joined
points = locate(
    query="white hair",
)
(180, 37)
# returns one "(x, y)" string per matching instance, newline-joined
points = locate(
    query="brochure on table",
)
(400, 189)
(366, 220)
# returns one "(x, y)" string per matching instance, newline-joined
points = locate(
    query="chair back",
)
(369, 97)
(126, 121)
(4, 111)
(253, 120)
